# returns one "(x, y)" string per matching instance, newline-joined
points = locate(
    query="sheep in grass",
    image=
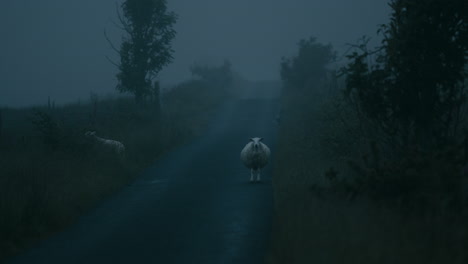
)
(255, 156)
(114, 145)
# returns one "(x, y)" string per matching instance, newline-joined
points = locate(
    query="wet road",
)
(194, 205)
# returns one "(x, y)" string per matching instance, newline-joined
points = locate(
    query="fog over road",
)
(194, 205)
(57, 48)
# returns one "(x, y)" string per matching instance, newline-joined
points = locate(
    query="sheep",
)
(255, 156)
(114, 145)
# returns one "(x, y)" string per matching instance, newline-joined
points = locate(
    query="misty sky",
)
(57, 48)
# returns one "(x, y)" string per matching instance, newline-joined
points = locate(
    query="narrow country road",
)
(194, 205)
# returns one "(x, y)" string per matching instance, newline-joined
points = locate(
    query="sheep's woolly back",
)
(117, 146)
(255, 159)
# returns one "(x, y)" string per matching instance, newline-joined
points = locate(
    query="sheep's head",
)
(90, 133)
(256, 143)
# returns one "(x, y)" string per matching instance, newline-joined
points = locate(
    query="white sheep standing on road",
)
(255, 156)
(116, 146)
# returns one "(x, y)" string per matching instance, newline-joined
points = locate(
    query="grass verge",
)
(50, 173)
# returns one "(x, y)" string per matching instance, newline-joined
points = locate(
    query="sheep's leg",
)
(251, 175)
(258, 174)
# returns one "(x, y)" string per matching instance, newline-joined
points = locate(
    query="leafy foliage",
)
(414, 90)
(308, 65)
(419, 181)
(409, 95)
(146, 49)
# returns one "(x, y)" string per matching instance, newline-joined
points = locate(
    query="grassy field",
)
(331, 229)
(50, 173)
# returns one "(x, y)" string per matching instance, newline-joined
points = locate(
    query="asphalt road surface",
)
(194, 205)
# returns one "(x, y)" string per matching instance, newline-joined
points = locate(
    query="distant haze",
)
(57, 48)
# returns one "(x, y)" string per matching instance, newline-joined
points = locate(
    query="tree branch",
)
(110, 43)
(114, 63)
(125, 25)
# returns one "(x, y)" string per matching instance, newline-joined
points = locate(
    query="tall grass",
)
(44, 187)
